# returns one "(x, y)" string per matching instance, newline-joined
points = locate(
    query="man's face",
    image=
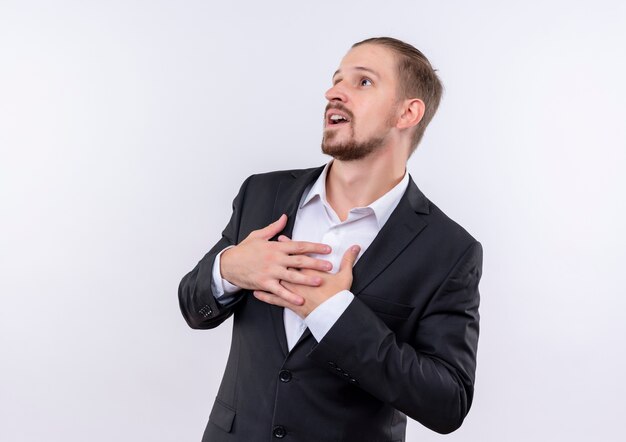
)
(362, 105)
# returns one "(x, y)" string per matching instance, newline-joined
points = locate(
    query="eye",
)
(365, 82)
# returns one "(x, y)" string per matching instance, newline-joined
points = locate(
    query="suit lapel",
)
(403, 225)
(288, 197)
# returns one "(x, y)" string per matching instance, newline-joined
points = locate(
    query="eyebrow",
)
(360, 68)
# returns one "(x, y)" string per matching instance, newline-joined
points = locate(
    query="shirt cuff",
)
(324, 316)
(222, 289)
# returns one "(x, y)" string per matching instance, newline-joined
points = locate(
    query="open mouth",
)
(335, 119)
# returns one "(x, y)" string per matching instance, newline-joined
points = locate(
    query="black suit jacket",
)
(406, 345)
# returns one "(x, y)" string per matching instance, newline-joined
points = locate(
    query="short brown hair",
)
(417, 79)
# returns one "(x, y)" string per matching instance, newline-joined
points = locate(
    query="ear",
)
(413, 112)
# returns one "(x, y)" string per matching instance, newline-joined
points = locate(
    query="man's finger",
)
(277, 289)
(270, 298)
(297, 277)
(302, 247)
(302, 262)
(271, 230)
(349, 258)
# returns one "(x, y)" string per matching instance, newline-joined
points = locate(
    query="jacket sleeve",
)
(195, 296)
(430, 378)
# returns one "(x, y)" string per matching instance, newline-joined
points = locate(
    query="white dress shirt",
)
(316, 221)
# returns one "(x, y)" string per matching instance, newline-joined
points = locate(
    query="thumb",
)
(273, 229)
(349, 258)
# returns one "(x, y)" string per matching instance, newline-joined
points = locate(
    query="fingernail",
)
(356, 249)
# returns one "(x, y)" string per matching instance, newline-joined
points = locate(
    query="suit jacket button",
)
(332, 364)
(279, 432)
(284, 375)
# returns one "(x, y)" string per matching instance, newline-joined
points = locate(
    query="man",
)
(355, 299)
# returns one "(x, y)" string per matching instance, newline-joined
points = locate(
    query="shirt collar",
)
(382, 207)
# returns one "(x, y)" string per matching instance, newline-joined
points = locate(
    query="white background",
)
(127, 127)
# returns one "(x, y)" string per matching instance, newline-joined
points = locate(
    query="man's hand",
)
(314, 296)
(260, 264)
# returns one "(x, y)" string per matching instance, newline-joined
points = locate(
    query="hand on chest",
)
(317, 222)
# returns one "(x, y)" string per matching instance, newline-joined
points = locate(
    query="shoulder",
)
(448, 244)
(280, 175)
(270, 182)
(448, 226)
(443, 236)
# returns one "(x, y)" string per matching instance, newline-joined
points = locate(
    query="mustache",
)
(341, 107)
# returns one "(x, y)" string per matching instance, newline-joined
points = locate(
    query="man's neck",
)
(359, 183)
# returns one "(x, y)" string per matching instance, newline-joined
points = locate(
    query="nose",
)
(336, 93)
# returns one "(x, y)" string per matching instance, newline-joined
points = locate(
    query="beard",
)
(351, 150)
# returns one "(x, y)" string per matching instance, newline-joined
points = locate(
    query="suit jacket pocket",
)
(222, 415)
(387, 308)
